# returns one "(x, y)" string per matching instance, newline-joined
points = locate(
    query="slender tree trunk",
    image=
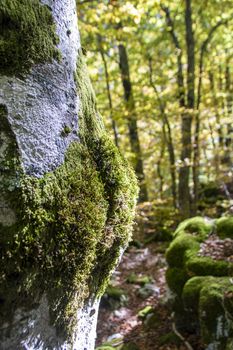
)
(167, 136)
(132, 122)
(186, 117)
(196, 148)
(218, 145)
(229, 103)
(217, 115)
(186, 154)
(114, 126)
(67, 196)
(159, 170)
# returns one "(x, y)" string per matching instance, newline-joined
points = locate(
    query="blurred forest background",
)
(163, 77)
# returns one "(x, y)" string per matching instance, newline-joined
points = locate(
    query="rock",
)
(148, 290)
(135, 279)
(200, 264)
(114, 298)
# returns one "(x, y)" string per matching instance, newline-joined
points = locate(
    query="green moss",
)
(214, 325)
(211, 298)
(170, 338)
(196, 226)
(191, 291)
(145, 312)
(27, 36)
(206, 266)
(66, 131)
(225, 227)
(176, 279)
(206, 300)
(120, 184)
(176, 252)
(142, 280)
(115, 292)
(61, 219)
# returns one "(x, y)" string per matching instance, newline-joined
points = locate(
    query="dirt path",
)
(145, 269)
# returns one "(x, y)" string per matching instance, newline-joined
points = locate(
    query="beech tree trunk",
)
(132, 122)
(67, 196)
(113, 122)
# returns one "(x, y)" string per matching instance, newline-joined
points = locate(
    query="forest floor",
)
(135, 309)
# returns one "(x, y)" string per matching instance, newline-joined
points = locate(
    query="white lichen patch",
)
(44, 102)
(86, 327)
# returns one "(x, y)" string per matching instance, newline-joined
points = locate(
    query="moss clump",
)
(120, 184)
(176, 252)
(60, 220)
(115, 292)
(203, 293)
(135, 279)
(27, 36)
(176, 279)
(205, 266)
(66, 131)
(225, 227)
(191, 291)
(196, 226)
(211, 299)
(147, 310)
(70, 226)
(213, 320)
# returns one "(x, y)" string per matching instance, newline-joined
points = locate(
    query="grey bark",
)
(113, 122)
(132, 121)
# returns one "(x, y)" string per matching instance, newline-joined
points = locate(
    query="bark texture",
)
(67, 196)
(132, 122)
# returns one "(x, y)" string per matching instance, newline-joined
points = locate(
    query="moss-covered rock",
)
(145, 312)
(176, 279)
(141, 280)
(224, 227)
(71, 225)
(114, 297)
(206, 266)
(27, 36)
(197, 226)
(211, 299)
(202, 285)
(176, 252)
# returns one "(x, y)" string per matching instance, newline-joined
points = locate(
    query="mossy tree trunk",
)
(67, 196)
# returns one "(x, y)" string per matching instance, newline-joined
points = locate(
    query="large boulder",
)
(200, 266)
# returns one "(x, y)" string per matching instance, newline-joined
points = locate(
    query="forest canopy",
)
(162, 72)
